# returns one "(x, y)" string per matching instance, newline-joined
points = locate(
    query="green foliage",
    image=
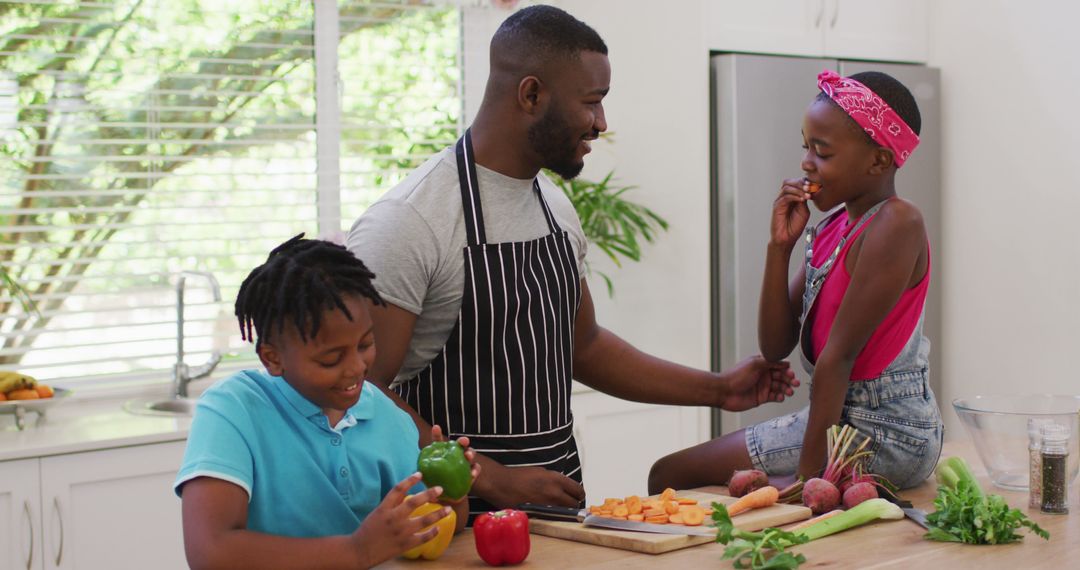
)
(761, 550)
(610, 221)
(144, 126)
(7, 282)
(964, 513)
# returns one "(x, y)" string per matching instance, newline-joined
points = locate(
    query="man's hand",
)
(507, 487)
(754, 381)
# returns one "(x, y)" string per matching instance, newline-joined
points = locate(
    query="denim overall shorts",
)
(896, 409)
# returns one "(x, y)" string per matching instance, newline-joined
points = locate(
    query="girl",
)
(306, 464)
(856, 308)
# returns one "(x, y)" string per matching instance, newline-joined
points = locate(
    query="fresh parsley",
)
(762, 550)
(965, 514)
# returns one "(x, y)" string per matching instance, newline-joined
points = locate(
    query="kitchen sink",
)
(166, 407)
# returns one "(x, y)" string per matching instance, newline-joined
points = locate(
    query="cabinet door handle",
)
(835, 13)
(820, 14)
(30, 524)
(60, 519)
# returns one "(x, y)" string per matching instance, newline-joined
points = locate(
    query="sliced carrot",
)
(658, 519)
(671, 507)
(685, 501)
(760, 498)
(693, 516)
(654, 512)
(620, 511)
(667, 494)
(675, 519)
(633, 504)
(638, 517)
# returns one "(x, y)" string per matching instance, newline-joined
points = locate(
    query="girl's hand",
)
(389, 530)
(437, 435)
(790, 214)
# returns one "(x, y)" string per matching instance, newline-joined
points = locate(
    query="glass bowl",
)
(999, 427)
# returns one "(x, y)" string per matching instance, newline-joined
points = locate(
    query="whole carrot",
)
(758, 499)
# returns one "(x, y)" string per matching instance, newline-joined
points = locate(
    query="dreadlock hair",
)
(300, 280)
(892, 92)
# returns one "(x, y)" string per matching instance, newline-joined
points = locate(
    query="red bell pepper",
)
(502, 537)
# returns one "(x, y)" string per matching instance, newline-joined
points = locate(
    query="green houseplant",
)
(611, 222)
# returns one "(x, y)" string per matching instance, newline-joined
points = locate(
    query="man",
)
(480, 258)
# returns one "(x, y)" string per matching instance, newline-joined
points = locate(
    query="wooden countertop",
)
(890, 544)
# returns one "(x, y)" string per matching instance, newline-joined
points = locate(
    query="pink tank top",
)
(891, 335)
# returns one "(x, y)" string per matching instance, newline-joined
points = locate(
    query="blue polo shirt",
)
(303, 477)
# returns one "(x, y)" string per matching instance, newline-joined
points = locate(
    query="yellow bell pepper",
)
(434, 548)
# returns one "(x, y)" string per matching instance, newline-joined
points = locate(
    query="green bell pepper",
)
(443, 464)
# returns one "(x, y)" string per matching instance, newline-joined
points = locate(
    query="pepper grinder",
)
(1055, 454)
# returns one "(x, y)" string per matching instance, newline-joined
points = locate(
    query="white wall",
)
(1010, 82)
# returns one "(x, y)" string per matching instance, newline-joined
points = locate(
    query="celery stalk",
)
(860, 514)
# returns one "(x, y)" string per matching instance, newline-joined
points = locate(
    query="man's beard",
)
(551, 139)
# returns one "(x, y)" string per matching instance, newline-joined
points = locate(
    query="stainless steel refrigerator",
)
(757, 108)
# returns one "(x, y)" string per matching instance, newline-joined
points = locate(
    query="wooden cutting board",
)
(651, 543)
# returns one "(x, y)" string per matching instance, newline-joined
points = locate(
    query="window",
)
(142, 138)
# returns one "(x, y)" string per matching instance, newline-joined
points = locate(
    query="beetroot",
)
(856, 477)
(858, 493)
(743, 482)
(820, 495)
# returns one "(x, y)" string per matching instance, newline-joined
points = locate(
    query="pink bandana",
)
(872, 113)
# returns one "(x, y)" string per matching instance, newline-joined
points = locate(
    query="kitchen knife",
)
(583, 516)
(917, 515)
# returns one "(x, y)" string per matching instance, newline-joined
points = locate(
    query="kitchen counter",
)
(86, 425)
(886, 544)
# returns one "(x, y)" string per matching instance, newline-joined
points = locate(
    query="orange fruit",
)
(44, 390)
(28, 394)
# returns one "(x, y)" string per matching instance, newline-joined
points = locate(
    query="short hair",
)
(300, 279)
(892, 92)
(547, 32)
(895, 94)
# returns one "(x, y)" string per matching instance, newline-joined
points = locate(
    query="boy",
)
(306, 464)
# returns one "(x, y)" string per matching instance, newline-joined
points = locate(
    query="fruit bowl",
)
(998, 425)
(19, 408)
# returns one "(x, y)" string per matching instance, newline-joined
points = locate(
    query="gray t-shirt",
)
(412, 239)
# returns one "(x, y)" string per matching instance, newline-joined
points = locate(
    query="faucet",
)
(182, 373)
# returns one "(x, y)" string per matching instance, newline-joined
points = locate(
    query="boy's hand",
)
(437, 435)
(390, 530)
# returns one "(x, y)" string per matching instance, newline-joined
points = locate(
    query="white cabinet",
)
(20, 515)
(885, 30)
(618, 440)
(110, 509)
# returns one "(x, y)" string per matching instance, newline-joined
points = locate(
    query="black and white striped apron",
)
(503, 377)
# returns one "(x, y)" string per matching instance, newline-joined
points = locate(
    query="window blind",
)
(147, 137)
